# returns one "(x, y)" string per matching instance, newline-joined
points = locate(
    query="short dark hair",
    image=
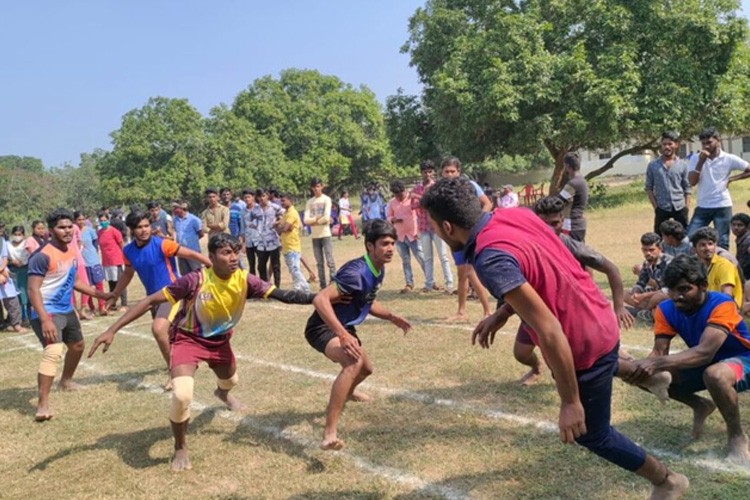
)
(572, 161)
(378, 228)
(648, 239)
(704, 233)
(58, 215)
(288, 196)
(246, 191)
(135, 218)
(210, 190)
(397, 187)
(224, 190)
(687, 267)
(450, 160)
(102, 213)
(743, 218)
(673, 228)
(221, 240)
(78, 213)
(426, 165)
(35, 223)
(152, 204)
(260, 192)
(549, 205)
(453, 200)
(708, 133)
(18, 229)
(671, 135)
(315, 181)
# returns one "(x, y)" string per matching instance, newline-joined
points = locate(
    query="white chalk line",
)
(389, 473)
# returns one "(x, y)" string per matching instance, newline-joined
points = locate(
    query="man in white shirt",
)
(318, 217)
(710, 171)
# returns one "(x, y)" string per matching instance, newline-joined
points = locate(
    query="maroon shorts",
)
(523, 337)
(191, 350)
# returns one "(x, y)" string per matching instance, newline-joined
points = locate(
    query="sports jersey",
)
(513, 246)
(722, 272)
(359, 279)
(154, 262)
(58, 269)
(212, 306)
(718, 310)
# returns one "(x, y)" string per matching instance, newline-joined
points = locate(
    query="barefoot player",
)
(331, 328)
(213, 300)
(520, 260)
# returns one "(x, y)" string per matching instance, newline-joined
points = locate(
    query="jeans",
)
(251, 259)
(275, 256)
(721, 217)
(405, 249)
(292, 260)
(660, 216)
(323, 251)
(427, 240)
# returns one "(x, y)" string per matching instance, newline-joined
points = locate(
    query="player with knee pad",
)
(52, 278)
(218, 293)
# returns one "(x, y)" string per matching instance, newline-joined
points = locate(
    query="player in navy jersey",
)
(331, 329)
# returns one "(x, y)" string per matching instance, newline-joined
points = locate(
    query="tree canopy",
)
(506, 76)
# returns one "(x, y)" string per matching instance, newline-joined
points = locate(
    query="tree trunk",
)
(611, 162)
(558, 174)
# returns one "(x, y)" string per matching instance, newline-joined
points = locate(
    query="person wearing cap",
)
(318, 217)
(188, 232)
(509, 198)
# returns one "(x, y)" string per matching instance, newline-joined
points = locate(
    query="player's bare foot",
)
(658, 385)
(672, 488)
(457, 318)
(42, 414)
(232, 403)
(360, 397)
(332, 444)
(531, 377)
(699, 417)
(69, 385)
(180, 461)
(738, 449)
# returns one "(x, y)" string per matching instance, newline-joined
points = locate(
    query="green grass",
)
(443, 422)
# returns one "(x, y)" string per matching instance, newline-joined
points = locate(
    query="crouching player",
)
(212, 303)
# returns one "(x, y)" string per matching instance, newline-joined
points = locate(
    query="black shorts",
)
(68, 328)
(319, 334)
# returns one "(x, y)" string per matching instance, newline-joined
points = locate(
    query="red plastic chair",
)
(527, 194)
(539, 192)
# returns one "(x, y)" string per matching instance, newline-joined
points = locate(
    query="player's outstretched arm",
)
(291, 296)
(186, 253)
(556, 350)
(131, 315)
(381, 312)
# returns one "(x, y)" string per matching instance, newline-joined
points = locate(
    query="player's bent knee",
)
(717, 375)
(51, 357)
(182, 395)
(226, 384)
(77, 346)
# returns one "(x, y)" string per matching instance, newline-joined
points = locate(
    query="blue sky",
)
(72, 69)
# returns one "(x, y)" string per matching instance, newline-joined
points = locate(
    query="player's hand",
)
(624, 318)
(106, 297)
(3, 279)
(704, 154)
(351, 346)
(572, 422)
(110, 303)
(105, 339)
(643, 369)
(401, 323)
(487, 328)
(49, 330)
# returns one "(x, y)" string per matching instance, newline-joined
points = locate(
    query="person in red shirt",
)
(113, 261)
(524, 263)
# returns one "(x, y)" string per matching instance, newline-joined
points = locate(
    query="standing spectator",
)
(269, 245)
(188, 233)
(117, 221)
(372, 204)
(404, 219)
(427, 237)
(160, 224)
(740, 226)
(39, 236)
(215, 217)
(249, 230)
(318, 217)
(667, 184)
(93, 265)
(113, 261)
(18, 264)
(575, 194)
(345, 215)
(291, 245)
(508, 198)
(235, 206)
(8, 292)
(711, 173)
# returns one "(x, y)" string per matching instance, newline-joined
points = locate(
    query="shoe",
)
(407, 289)
(425, 290)
(437, 288)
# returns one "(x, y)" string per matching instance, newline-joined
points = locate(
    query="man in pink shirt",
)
(404, 218)
(113, 262)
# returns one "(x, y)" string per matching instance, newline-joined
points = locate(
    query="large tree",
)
(505, 76)
(409, 130)
(328, 128)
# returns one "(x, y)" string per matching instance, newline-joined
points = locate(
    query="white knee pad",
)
(51, 357)
(226, 384)
(182, 395)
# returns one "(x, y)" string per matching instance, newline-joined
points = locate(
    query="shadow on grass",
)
(132, 447)
(268, 429)
(325, 495)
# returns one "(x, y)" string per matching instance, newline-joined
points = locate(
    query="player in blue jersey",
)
(339, 308)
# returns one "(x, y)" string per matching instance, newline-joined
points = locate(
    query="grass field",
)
(448, 419)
